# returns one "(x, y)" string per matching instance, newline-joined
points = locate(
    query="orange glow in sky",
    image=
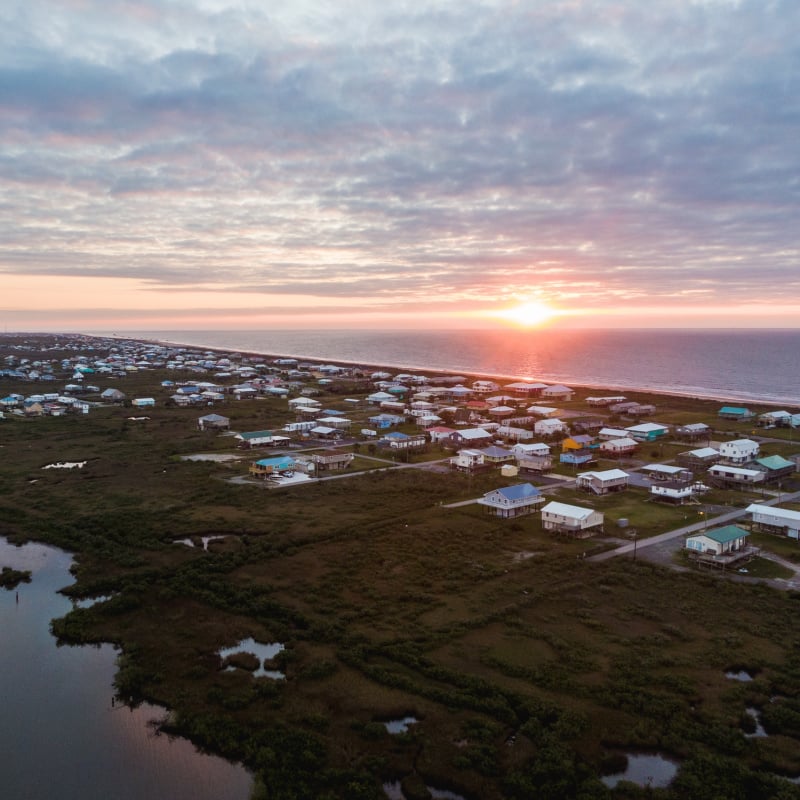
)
(530, 314)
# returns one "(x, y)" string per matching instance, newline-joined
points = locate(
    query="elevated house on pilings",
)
(722, 548)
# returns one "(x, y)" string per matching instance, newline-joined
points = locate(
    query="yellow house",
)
(581, 442)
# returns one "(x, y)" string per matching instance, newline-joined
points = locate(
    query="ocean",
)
(735, 365)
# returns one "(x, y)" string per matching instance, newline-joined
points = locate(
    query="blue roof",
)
(497, 452)
(276, 461)
(519, 491)
(396, 435)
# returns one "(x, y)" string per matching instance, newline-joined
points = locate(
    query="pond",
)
(61, 725)
(204, 541)
(399, 725)
(654, 771)
(758, 732)
(262, 651)
(739, 675)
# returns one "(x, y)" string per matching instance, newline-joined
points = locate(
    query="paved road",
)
(722, 519)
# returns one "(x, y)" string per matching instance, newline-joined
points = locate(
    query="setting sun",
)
(527, 315)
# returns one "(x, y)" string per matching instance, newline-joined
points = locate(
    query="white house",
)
(558, 392)
(602, 481)
(773, 519)
(724, 475)
(477, 437)
(675, 491)
(738, 451)
(342, 423)
(143, 402)
(440, 433)
(607, 434)
(619, 447)
(725, 541)
(305, 402)
(548, 427)
(666, 472)
(466, 460)
(647, 431)
(511, 501)
(260, 439)
(574, 520)
(542, 411)
(533, 449)
(605, 400)
(515, 434)
(702, 458)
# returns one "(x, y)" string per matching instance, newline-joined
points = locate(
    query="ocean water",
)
(735, 365)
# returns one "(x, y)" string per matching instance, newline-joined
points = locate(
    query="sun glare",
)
(527, 315)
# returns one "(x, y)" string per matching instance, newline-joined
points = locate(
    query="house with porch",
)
(524, 449)
(666, 472)
(525, 388)
(213, 422)
(467, 460)
(268, 467)
(404, 441)
(648, 431)
(728, 477)
(773, 419)
(515, 434)
(677, 492)
(325, 432)
(617, 448)
(736, 413)
(721, 547)
(249, 439)
(550, 427)
(738, 451)
(335, 460)
(439, 433)
(775, 520)
(607, 434)
(497, 455)
(602, 481)
(512, 501)
(775, 468)
(558, 392)
(534, 457)
(606, 400)
(589, 425)
(543, 412)
(571, 520)
(577, 457)
(382, 421)
(470, 437)
(700, 459)
(693, 432)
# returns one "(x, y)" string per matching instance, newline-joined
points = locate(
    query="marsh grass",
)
(387, 602)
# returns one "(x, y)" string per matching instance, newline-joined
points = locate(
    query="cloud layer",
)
(605, 153)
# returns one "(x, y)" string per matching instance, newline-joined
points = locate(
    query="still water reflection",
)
(61, 734)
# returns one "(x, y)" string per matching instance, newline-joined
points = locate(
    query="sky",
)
(202, 164)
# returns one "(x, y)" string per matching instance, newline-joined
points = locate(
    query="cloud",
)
(589, 152)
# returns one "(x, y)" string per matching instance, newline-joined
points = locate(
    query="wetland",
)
(528, 677)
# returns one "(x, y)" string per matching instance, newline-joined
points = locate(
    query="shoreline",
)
(610, 387)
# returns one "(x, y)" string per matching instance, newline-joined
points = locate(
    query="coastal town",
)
(402, 583)
(544, 443)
